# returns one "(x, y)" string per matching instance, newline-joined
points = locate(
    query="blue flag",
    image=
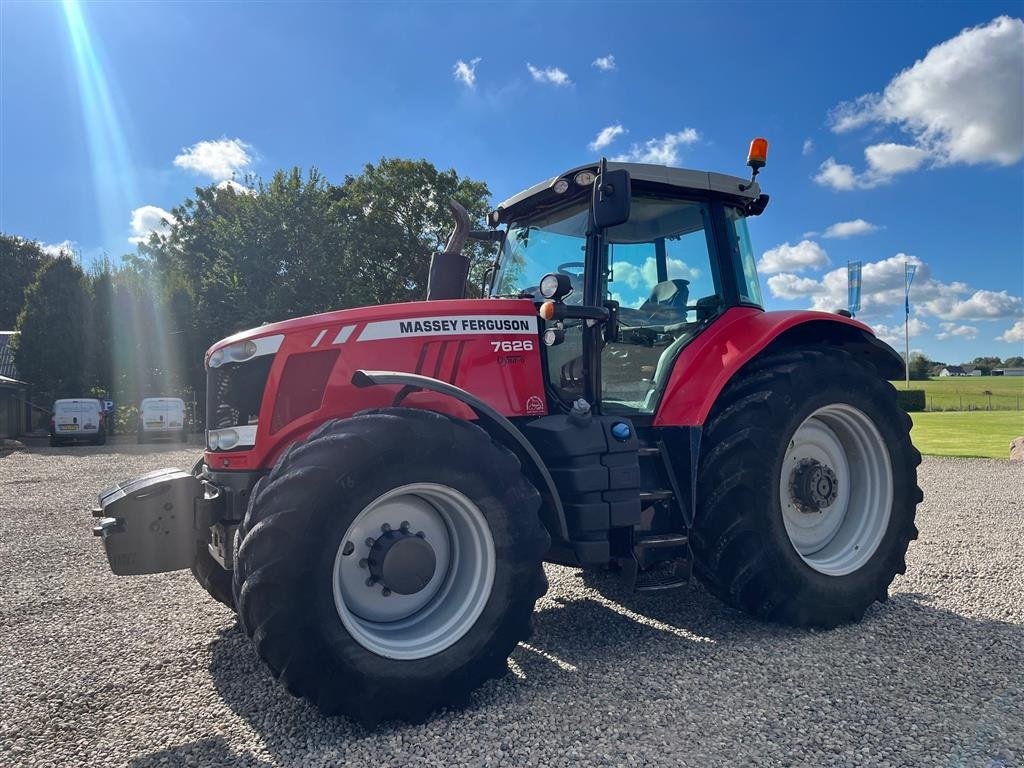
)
(911, 269)
(853, 286)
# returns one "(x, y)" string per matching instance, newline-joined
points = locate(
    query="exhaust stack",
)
(449, 269)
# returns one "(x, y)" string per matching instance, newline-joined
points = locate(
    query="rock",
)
(1017, 449)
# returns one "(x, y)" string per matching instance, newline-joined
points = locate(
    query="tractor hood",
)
(453, 317)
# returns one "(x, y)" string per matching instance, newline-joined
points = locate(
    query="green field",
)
(984, 434)
(970, 393)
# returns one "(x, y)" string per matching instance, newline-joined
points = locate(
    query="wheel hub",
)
(813, 486)
(402, 562)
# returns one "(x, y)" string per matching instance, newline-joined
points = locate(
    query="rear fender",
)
(706, 366)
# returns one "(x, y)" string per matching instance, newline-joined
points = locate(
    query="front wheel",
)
(808, 489)
(390, 564)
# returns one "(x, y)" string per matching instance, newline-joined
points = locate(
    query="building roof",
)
(7, 368)
(955, 369)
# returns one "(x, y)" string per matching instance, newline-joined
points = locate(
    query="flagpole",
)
(906, 319)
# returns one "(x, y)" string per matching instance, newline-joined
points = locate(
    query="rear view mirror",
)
(612, 197)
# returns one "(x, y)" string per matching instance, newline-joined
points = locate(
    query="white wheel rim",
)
(414, 626)
(837, 533)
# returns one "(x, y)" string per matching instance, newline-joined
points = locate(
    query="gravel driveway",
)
(149, 671)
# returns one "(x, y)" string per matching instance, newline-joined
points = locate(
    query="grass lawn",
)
(962, 393)
(979, 433)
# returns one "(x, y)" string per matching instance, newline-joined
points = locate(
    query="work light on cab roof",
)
(382, 484)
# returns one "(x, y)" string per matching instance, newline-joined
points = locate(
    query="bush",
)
(911, 399)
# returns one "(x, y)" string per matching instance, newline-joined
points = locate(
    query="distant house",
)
(975, 372)
(14, 412)
(953, 370)
(7, 356)
(1008, 372)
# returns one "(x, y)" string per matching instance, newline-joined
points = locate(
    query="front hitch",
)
(151, 524)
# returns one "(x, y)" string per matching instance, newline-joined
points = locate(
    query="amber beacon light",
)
(757, 157)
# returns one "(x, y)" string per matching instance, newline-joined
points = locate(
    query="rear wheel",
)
(808, 490)
(389, 565)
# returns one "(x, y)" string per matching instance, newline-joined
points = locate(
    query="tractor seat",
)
(668, 295)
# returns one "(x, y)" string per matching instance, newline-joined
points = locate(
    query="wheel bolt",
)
(370, 542)
(385, 527)
(405, 526)
(386, 592)
(363, 563)
(371, 581)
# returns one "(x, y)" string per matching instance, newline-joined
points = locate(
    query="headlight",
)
(585, 178)
(233, 353)
(226, 439)
(560, 186)
(555, 286)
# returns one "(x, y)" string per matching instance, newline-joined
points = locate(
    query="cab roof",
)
(681, 178)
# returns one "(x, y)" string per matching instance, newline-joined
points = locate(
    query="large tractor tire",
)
(389, 565)
(807, 489)
(207, 571)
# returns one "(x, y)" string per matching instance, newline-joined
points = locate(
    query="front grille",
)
(234, 392)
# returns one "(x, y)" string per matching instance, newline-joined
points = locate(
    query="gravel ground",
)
(148, 671)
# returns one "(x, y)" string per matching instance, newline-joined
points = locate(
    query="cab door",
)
(662, 271)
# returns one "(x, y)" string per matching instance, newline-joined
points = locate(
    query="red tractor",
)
(382, 485)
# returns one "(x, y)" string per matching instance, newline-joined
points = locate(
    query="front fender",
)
(705, 366)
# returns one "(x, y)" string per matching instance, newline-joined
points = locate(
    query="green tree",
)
(396, 216)
(20, 260)
(1014, 362)
(49, 350)
(920, 366)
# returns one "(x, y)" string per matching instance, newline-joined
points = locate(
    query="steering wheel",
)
(563, 269)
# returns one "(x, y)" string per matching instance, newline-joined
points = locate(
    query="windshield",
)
(555, 242)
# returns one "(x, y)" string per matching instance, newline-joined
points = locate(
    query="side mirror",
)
(613, 195)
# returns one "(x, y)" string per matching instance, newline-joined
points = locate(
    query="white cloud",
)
(839, 176)
(68, 247)
(663, 151)
(551, 75)
(884, 162)
(844, 229)
(808, 147)
(887, 160)
(147, 220)
(893, 334)
(466, 73)
(981, 305)
(218, 159)
(604, 63)
(963, 103)
(949, 330)
(1014, 334)
(793, 287)
(606, 136)
(883, 290)
(240, 189)
(793, 258)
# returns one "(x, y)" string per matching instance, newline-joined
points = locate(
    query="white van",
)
(162, 417)
(78, 419)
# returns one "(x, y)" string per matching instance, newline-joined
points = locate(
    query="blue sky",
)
(902, 125)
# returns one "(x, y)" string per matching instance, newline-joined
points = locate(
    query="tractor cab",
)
(623, 295)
